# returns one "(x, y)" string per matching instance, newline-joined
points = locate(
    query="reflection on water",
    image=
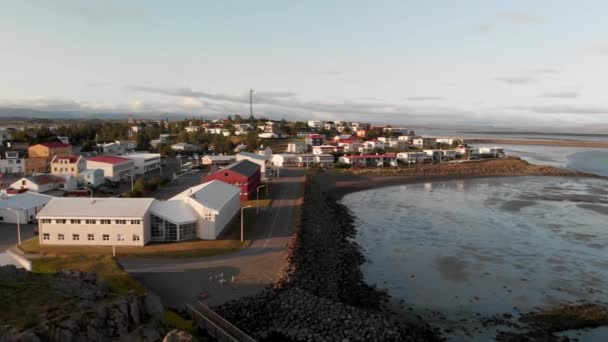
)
(488, 246)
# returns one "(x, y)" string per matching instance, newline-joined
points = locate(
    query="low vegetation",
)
(22, 303)
(145, 186)
(570, 317)
(106, 268)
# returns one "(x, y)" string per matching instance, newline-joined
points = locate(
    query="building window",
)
(90, 221)
(135, 237)
(75, 237)
(91, 237)
(105, 221)
(75, 221)
(120, 237)
(157, 227)
(105, 237)
(121, 221)
(135, 222)
(60, 237)
(187, 231)
(208, 216)
(46, 220)
(46, 236)
(60, 221)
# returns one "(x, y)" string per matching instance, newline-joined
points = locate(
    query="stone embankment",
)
(322, 295)
(79, 308)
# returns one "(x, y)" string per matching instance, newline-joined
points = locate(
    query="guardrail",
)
(217, 326)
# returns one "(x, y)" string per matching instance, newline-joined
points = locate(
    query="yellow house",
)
(63, 165)
(40, 155)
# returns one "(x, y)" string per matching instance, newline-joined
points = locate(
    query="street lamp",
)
(131, 175)
(90, 190)
(17, 213)
(242, 208)
(257, 198)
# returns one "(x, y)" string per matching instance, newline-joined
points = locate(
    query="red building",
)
(243, 174)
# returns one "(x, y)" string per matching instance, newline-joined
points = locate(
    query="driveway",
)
(226, 277)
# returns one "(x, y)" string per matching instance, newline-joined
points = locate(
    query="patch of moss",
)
(570, 317)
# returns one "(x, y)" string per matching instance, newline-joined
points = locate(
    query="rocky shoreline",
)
(322, 295)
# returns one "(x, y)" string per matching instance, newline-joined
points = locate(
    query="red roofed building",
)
(68, 165)
(45, 182)
(40, 155)
(387, 159)
(315, 139)
(244, 174)
(114, 168)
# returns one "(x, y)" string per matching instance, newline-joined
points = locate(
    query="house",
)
(372, 145)
(254, 158)
(5, 134)
(440, 154)
(183, 147)
(304, 132)
(361, 133)
(192, 129)
(40, 155)
(113, 149)
(306, 159)
(315, 139)
(447, 141)
(423, 143)
(329, 125)
(297, 147)
(91, 178)
(144, 162)
(244, 174)
(269, 135)
(488, 152)
(412, 157)
(314, 124)
(285, 160)
(350, 145)
(12, 162)
(265, 152)
(324, 159)
(218, 160)
(342, 137)
(325, 149)
(114, 168)
(388, 159)
(22, 207)
(68, 165)
(46, 182)
(203, 211)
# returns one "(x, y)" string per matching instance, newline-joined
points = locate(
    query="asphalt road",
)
(225, 277)
(8, 234)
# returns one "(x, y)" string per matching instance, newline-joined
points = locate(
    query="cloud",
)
(92, 11)
(556, 109)
(424, 98)
(544, 71)
(279, 94)
(330, 73)
(601, 49)
(519, 17)
(516, 80)
(484, 28)
(561, 95)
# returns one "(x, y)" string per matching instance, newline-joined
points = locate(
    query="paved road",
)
(8, 234)
(232, 276)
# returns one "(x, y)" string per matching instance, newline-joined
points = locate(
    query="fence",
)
(216, 326)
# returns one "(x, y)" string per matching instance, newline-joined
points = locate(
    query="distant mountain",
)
(29, 113)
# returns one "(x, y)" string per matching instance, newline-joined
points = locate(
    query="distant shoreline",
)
(542, 142)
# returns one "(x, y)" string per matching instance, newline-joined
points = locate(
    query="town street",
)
(221, 278)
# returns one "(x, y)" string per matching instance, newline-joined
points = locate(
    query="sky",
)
(509, 63)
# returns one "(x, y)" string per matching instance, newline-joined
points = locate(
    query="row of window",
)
(90, 237)
(89, 221)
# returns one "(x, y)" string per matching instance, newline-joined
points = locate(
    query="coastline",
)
(543, 142)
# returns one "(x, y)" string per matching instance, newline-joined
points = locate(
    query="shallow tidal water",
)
(456, 251)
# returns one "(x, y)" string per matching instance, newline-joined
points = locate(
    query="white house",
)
(350, 145)
(184, 147)
(424, 142)
(21, 207)
(412, 157)
(12, 162)
(488, 152)
(144, 162)
(325, 149)
(265, 152)
(297, 147)
(255, 158)
(285, 160)
(315, 124)
(218, 160)
(447, 141)
(114, 168)
(388, 159)
(373, 145)
(46, 182)
(324, 159)
(192, 129)
(91, 178)
(113, 149)
(441, 154)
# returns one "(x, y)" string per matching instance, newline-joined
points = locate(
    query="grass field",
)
(23, 303)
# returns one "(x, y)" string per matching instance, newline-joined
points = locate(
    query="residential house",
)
(144, 162)
(325, 149)
(183, 147)
(114, 168)
(388, 159)
(46, 182)
(12, 161)
(254, 158)
(285, 160)
(40, 155)
(218, 160)
(297, 147)
(424, 143)
(265, 152)
(315, 139)
(91, 178)
(68, 165)
(244, 174)
(412, 157)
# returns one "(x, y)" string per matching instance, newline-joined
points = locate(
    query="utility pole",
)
(250, 103)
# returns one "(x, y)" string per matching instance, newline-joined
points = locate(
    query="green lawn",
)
(104, 266)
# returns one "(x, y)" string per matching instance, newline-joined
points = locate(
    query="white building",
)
(424, 143)
(5, 135)
(315, 124)
(265, 152)
(114, 168)
(218, 160)
(441, 154)
(12, 162)
(91, 178)
(46, 182)
(324, 159)
(21, 207)
(144, 162)
(325, 149)
(447, 141)
(254, 158)
(192, 129)
(412, 157)
(388, 159)
(285, 160)
(488, 152)
(113, 149)
(373, 145)
(203, 211)
(297, 147)
(183, 147)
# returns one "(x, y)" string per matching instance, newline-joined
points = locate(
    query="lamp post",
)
(242, 208)
(131, 175)
(17, 213)
(257, 198)
(90, 190)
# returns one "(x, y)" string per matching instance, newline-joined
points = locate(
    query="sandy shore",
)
(339, 183)
(543, 142)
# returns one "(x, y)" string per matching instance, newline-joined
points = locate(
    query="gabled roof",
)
(176, 211)
(213, 195)
(243, 167)
(108, 159)
(45, 179)
(96, 207)
(70, 159)
(26, 200)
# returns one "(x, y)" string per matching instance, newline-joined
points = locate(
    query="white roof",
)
(176, 211)
(251, 155)
(213, 195)
(26, 200)
(220, 157)
(96, 207)
(145, 155)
